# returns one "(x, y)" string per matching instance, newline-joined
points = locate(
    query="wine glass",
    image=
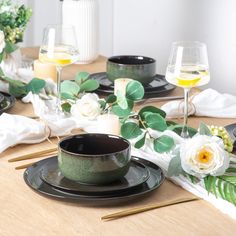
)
(187, 68)
(59, 47)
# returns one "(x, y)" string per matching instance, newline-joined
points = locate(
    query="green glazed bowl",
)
(94, 158)
(142, 69)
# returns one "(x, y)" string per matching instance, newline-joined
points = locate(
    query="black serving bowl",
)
(140, 68)
(94, 158)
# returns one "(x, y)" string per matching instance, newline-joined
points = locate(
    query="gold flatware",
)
(24, 166)
(33, 155)
(147, 208)
(158, 99)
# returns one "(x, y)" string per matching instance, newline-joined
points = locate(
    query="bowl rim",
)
(93, 155)
(153, 61)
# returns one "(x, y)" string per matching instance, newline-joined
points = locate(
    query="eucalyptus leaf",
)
(140, 143)
(81, 77)
(111, 98)
(163, 144)
(35, 85)
(175, 168)
(156, 122)
(178, 129)
(122, 113)
(66, 107)
(17, 91)
(70, 87)
(10, 47)
(102, 104)
(151, 109)
(1, 71)
(121, 100)
(1, 58)
(134, 91)
(130, 130)
(68, 96)
(204, 130)
(89, 85)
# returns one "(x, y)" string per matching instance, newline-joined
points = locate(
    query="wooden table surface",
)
(24, 212)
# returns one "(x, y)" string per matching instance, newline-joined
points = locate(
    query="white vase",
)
(83, 14)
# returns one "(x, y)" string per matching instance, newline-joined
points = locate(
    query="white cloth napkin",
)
(207, 103)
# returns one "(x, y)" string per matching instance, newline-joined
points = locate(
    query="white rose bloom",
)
(87, 107)
(2, 41)
(204, 155)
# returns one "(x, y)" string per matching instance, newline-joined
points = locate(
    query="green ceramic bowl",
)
(138, 68)
(94, 158)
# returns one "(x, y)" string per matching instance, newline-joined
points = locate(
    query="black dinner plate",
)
(136, 176)
(231, 129)
(7, 103)
(158, 87)
(33, 180)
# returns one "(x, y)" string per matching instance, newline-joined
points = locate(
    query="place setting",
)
(103, 172)
(140, 68)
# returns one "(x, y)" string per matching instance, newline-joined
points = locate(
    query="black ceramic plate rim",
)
(116, 189)
(10, 99)
(55, 193)
(111, 88)
(167, 88)
(230, 129)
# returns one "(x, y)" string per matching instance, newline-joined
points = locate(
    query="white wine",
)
(60, 56)
(188, 76)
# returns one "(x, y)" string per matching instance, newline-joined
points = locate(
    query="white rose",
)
(204, 155)
(87, 107)
(2, 41)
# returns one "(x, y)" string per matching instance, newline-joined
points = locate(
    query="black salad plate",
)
(33, 180)
(7, 102)
(158, 87)
(231, 129)
(136, 176)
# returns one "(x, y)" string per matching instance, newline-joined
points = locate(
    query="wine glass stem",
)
(184, 133)
(58, 104)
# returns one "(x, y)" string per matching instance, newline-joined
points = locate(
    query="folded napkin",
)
(207, 103)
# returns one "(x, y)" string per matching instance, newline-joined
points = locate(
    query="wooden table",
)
(24, 212)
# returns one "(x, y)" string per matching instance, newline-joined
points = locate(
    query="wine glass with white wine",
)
(187, 68)
(59, 47)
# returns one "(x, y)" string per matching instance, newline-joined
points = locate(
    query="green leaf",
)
(175, 168)
(130, 130)
(66, 107)
(170, 123)
(1, 57)
(102, 104)
(89, 85)
(1, 72)
(151, 109)
(134, 91)
(121, 100)
(140, 143)
(163, 144)
(81, 77)
(122, 113)
(111, 98)
(204, 130)
(178, 129)
(10, 47)
(156, 122)
(35, 85)
(67, 96)
(17, 91)
(70, 87)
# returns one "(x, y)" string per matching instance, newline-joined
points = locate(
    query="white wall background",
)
(148, 27)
